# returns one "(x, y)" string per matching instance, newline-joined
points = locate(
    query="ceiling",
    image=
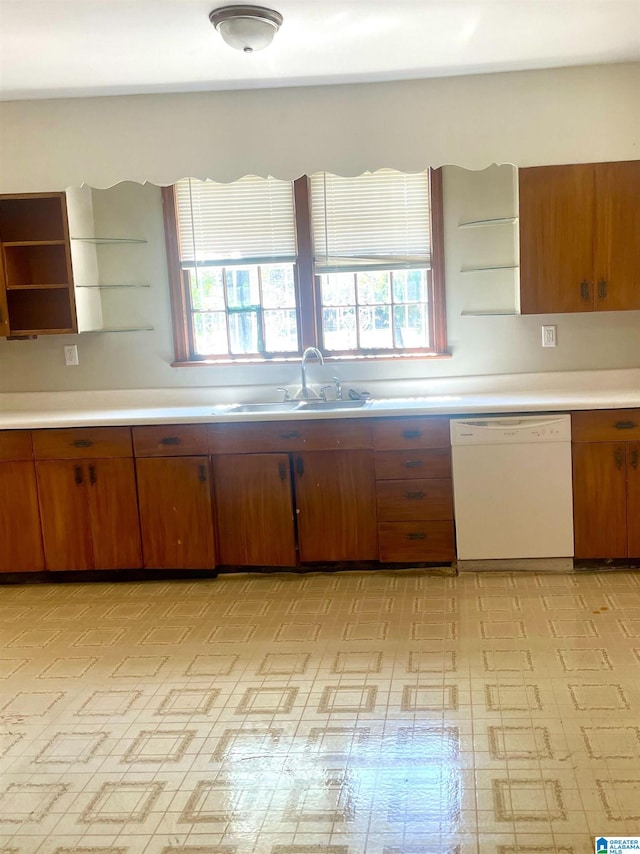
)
(61, 48)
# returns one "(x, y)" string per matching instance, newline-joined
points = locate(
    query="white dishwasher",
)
(512, 487)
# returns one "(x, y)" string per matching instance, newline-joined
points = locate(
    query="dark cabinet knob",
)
(170, 440)
(82, 443)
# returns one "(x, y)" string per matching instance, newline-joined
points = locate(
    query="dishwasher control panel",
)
(510, 429)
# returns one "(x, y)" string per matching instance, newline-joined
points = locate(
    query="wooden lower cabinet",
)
(336, 506)
(606, 499)
(176, 518)
(254, 509)
(19, 518)
(89, 514)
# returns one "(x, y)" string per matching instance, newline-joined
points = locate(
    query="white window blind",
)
(248, 221)
(378, 220)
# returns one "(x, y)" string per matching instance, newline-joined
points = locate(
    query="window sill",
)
(395, 357)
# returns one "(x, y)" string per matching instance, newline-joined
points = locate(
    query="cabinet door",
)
(254, 509)
(175, 512)
(336, 506)
(599, 500)
(556, 214)
(64, 512)
(617, 236)
(113, 512)
(633, 500)
(19, 519)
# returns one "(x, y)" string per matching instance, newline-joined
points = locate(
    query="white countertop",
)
(457, 396)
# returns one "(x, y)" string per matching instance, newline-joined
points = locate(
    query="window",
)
(263, 268)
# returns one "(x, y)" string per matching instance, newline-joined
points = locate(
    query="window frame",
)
(308, 291)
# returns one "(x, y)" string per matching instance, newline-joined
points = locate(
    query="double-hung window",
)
(262, 268)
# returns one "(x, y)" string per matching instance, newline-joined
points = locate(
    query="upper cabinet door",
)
(556, 212)
(617, 236)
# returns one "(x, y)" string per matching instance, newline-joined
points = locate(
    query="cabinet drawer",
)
(405, 500)
(394, 433)
(400, 465)
(170, 440)
(15, 445)
(263, 437)
(606, 425)
(416, 541)
(80, 442)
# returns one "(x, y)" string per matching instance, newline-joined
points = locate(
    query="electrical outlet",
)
(71, 355)
(549, 336)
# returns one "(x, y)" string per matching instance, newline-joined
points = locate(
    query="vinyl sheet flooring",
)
(405, 712)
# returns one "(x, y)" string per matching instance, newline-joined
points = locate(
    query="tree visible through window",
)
(262, 268)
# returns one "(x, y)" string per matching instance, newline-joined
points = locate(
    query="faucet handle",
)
(287, 393)
(323, 391)
(338, 383)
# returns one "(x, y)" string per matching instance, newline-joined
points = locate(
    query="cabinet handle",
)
(584, 290)
(417, 495)
(413, 464)
(300, 465)
(282, 471)
(92, 475)
(77, 475)
(292, 434)
(202, 473)
(618, 458)
(82, 443)
(625, 425)
(634, 458)
(602, 289)
(170, 440)
(411, 434)
(416, 535)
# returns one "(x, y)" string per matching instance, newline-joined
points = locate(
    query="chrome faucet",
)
(308, 353)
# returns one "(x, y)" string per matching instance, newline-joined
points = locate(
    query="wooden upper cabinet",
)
(556, 214)
(617, 236)
(36, 280)
(580, 238)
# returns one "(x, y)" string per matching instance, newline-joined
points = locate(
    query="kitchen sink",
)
(327, 405)
(315, 405)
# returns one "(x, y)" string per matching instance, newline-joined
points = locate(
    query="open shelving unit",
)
(35, 266)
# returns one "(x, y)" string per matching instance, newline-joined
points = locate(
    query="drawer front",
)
(406, 500)
(606, 425)
(263, 437)
(170, 440)
(15, 445)
(400, 465)
(391, 434)
(82, 443)
(416, 541)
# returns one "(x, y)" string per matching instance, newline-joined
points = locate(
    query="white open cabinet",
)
(108, 270)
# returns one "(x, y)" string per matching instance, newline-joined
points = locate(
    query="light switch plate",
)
(71, 355)
(549, 336)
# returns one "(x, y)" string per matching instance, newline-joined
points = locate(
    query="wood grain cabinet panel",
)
(411, 464)
(174, 498)
(20, 536)
(284, 436)
(401, 500)
(170, 440)
(89, 514)
(418, 542)
(579, 248)
(606, 425)
(336, 506)
(392, 434)
(600, 500)
(16, 445)
(254, 509)
(82, 443)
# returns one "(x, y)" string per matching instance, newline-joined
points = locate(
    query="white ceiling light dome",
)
(246, 28)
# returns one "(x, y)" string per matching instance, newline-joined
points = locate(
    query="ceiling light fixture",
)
(246, 28)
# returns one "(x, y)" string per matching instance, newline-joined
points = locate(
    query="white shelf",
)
(109, 241)
(486, 269)
(480, 223)
(117, 329)
(123, 285)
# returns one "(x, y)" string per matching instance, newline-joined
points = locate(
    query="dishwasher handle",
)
(510, 423)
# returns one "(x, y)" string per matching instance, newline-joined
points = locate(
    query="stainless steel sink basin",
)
(286, 406)
(328, 405)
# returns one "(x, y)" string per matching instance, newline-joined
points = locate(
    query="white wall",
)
(527, 118)
(479, 345)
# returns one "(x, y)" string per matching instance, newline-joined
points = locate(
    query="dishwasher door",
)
(512, 487)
